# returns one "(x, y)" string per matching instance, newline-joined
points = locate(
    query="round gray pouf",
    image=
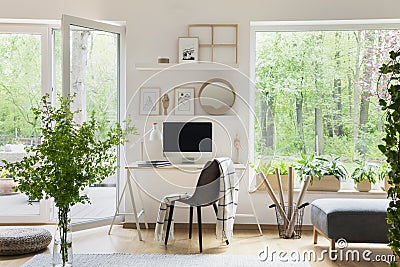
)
(23, 240)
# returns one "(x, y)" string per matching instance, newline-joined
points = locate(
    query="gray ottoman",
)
(356, 220)
(23, 240)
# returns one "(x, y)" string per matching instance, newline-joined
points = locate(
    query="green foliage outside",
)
(21, 83)
(317, 92)
(20, 87)
(71, 157)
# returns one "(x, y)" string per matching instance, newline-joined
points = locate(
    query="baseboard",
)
(130, 225)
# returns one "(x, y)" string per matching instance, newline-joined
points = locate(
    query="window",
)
(317, 88)
(28, 59)
(20, 88)
(24, 78)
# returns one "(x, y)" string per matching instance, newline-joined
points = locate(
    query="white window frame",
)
(66, 23)
(46, 78)
(301, 26)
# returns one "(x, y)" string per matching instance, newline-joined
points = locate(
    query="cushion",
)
(23, 240)
(352, 219)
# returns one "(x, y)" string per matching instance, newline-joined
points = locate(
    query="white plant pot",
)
(327, 183)
(386, 184)
(363, 186)
(6, 186)
(273, 181)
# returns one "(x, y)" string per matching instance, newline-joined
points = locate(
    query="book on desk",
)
(154, 163)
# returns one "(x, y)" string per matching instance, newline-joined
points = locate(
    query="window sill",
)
(340, 192)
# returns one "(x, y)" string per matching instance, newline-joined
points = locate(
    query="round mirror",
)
(217, 96)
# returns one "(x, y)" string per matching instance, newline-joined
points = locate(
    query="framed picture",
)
(149, 101)
(184, 101)
(188, 49)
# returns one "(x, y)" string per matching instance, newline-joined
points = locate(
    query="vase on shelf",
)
(62, 249)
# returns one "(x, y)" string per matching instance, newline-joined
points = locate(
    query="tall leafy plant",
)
(391, 146)
(70, 157)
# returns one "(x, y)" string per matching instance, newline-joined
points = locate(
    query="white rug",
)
(164, 260)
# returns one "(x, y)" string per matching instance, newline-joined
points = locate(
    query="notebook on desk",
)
(154, 163)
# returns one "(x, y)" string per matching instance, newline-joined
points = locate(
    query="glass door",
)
(24, 78)
(93, 70)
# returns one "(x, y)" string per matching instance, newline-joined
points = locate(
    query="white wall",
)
(152, 30)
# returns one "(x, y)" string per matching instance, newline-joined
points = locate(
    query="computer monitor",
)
(187, 142)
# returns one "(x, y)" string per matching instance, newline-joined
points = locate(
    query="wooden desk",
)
(174, 167)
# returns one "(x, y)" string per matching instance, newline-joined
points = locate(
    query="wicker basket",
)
(282, 227)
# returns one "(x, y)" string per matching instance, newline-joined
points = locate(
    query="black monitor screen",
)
(187, 137)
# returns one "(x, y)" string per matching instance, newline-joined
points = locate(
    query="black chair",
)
(206, 193)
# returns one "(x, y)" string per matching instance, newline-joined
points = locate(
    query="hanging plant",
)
(70, 157)
(391, 147)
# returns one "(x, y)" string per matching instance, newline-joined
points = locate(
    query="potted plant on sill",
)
(70, 157)
(383, 175)
(365, 174)
(7, 183)
(260, 166)
(328, 172)
(270, 174)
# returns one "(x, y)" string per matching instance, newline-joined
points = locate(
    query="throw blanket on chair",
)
(227, 203)
(162, 218)
(228, 198)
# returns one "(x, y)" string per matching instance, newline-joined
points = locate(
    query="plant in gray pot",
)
(364, 175)
(70, 157)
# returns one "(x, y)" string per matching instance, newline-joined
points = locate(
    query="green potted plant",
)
(390, 147)
(7, 183)
(383, 175)
(269, 170)
(327, 172)
(365, 174)
(70, 157)
(260, 166)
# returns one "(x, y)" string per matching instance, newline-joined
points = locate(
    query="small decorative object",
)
(155, 134)
(188, 49)
(70, 157)
(163, 60)
(184, 101)
(149, 104)
(217, 96)
(165, 103)
(236, 144)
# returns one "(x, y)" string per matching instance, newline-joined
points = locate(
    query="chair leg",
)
(215, 209)
(199, 227)
(171, 212)
(190, 221)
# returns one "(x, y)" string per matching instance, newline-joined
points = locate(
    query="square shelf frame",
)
(213, 44)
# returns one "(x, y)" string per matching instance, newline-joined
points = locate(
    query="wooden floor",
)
(245, 242)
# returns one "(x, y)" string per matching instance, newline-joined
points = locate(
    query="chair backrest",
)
(207, 188)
